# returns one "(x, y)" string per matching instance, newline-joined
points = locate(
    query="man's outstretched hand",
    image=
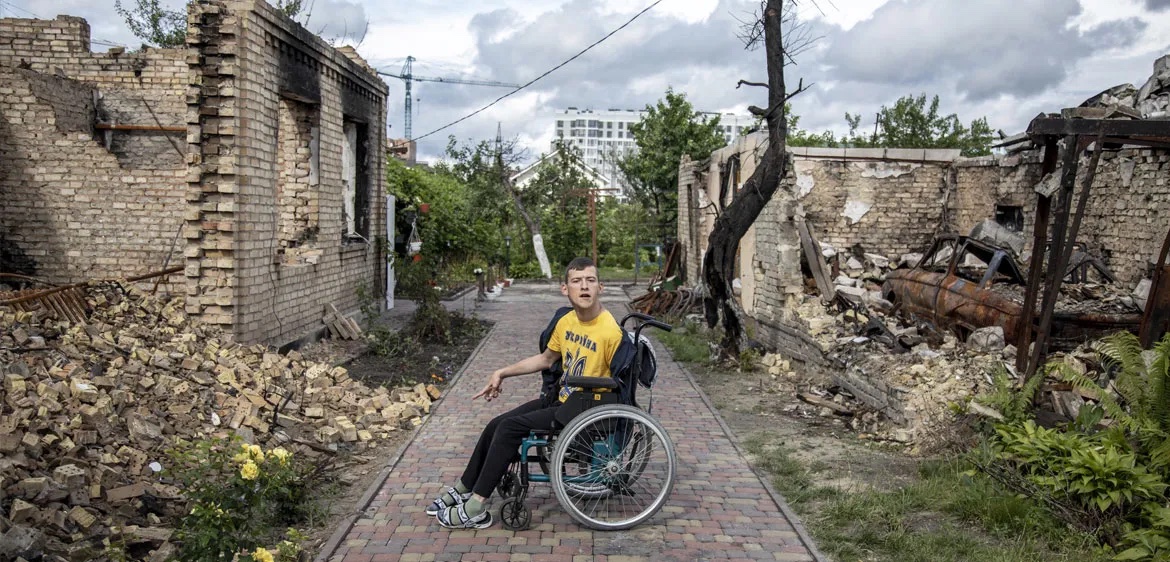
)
(492, 389)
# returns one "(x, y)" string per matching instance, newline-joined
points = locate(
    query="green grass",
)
(686, 344)
(944, 515)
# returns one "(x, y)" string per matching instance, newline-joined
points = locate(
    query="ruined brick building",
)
(894, 201)
(253, 157)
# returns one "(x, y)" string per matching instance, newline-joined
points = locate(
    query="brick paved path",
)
(719, 509)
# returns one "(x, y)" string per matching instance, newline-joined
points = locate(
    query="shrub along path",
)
(719, 509)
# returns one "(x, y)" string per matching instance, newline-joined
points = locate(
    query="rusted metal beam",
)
(24, 297)
(1156, 314)
(1107, 127)
(1062, 249)
(1039, 246)
(1068, 177)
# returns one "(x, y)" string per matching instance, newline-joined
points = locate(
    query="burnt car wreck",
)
(962, 284)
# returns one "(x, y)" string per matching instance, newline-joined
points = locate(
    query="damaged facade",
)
(873, 207)
(252, 157)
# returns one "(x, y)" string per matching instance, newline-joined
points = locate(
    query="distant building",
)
(403, 149)
(604, 136)
(522, 178)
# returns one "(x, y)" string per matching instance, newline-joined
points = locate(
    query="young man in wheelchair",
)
(585, 340)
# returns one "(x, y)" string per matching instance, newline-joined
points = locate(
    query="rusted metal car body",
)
(962, 284)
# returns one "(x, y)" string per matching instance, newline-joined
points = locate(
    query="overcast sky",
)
(1007, 60)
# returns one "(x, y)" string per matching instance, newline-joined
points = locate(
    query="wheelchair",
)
(612, 466)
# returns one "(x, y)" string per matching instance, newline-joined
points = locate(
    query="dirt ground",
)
(839, 456)
(432, 362)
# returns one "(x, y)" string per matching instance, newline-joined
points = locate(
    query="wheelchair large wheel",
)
(613, 467)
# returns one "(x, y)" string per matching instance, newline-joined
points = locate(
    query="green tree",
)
(161, 27)
(560, 191)
(911, 123)
(487, 168)
(618, 225)
(450, 230)
(670, 129)
(801, 137)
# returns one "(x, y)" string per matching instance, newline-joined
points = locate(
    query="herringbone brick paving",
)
(719, 509)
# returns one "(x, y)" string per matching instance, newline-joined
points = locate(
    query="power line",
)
(19, 9)
(549, 71)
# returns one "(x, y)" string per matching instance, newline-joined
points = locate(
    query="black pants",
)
(499, 445)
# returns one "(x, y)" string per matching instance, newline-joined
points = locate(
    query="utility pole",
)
(407, 76)
(591, 194)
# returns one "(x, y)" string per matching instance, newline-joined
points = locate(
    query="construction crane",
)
(407, 76)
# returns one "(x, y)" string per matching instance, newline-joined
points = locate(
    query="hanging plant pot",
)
(424, 208)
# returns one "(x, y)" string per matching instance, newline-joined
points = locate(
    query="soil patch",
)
(414, 361)
(837, 455)
(410, 360)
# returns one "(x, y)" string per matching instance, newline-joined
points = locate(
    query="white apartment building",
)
(604, 136)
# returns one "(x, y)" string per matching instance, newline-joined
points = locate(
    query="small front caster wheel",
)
(515, 515)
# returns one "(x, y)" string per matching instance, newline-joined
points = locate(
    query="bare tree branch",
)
(745, 82)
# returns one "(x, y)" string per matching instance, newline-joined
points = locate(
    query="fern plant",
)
(1012, 400)
(1141, 381)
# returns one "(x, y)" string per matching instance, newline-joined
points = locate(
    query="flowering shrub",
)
(240, 497)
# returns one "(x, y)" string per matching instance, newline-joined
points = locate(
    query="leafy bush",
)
(526, 270)
(1094, 473)
(240, 498)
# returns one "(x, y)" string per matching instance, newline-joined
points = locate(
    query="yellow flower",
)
(280, 454)
(249, 471)
(255, 452)
(262, 555)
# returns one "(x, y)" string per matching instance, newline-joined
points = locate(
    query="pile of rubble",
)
(88, 411)
(894, 381)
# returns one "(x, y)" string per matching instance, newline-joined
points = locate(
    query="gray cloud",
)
(1017, 47)
(1157, 5)
(628, 71)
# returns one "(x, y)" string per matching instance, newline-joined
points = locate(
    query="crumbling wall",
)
(1128, 212)
(768, 267)
(1124, 222)
(689, 180)
(985, 184)
(252, 62)
(887, 201)
(83, 201)
(69, 207)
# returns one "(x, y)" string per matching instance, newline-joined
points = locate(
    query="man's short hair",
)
(578, 264)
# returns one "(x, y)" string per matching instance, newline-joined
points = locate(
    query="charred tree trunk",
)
(720, 305)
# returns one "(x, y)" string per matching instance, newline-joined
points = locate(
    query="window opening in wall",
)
(297, 183)
(1010, 217)
(355, 181)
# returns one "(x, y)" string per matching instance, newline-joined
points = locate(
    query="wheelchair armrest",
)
(591, 382)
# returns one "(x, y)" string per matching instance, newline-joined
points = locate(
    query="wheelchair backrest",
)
(633, 363)
(550, 378)
(645, 363)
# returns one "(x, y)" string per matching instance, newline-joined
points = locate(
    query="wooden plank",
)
(812, 254)
(818, 401)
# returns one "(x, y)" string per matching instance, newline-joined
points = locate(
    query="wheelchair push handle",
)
(646, 320)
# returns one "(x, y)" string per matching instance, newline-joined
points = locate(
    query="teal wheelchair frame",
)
(611, 467)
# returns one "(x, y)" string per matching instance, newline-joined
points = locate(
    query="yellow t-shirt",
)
(586, 348)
